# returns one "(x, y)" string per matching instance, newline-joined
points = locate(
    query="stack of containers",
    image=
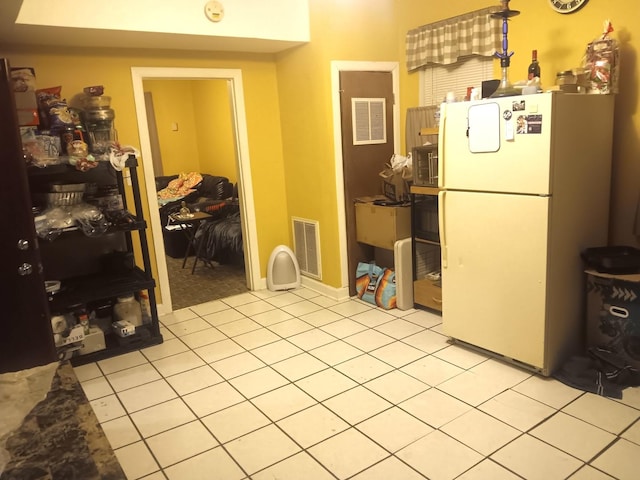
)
(98, 119)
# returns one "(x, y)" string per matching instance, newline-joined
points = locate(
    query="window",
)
(436, 80)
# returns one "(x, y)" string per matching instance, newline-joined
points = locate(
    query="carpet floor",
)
(205, 284)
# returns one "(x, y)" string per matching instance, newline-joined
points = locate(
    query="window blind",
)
(436, 80)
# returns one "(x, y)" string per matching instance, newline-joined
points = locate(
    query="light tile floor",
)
(296, 386)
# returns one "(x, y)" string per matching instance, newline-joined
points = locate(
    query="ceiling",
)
(12, 34)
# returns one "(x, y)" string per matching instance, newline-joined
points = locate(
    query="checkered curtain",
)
(445, 41)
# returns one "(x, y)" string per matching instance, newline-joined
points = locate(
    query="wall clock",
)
(567, 6)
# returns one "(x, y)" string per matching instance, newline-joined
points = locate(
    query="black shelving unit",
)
(80, 262)
(425, 248)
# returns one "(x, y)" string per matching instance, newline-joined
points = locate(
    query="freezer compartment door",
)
(482, 147)
(494, 250)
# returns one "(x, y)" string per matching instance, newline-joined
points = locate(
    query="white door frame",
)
(245, 186)
(336, 68)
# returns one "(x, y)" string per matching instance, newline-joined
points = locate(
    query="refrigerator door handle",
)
(441, 227)
(441, 134)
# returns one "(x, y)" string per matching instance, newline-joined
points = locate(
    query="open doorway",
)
(233, 80)
(191, 130)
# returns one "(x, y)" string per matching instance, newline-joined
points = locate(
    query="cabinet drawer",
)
(426, 294)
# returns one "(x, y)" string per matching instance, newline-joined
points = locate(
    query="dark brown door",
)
(26, 339)
(362, 163)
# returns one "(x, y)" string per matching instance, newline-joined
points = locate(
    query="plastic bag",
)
(55, 220)
(602, 63)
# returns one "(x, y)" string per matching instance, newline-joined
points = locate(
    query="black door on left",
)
(26, 338)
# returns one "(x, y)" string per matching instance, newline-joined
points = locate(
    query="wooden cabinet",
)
(427, 286)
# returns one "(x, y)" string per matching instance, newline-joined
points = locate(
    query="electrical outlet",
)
(214, 11)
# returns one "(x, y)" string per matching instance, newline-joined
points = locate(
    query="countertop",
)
(60, 437)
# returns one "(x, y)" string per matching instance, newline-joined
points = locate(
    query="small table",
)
(189, 225)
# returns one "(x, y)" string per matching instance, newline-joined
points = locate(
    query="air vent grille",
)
(306, 243)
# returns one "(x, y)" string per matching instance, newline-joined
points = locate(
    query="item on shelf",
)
(93, 341)
(93, 102)
(123, 328)
(60, 119)
(64, 199)
(98, 118)
(145, 307)
(83, 320)
(77, 148)
(94, 90)
(40, 148)
(45, 98)
(92, 221)
(381, 226)
(397, 176)
(52, 286)
(128, 309)
(52, 222)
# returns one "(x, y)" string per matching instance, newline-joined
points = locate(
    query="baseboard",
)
(339, 294)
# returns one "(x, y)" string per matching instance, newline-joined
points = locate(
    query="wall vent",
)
(368, 116)
(306, 245)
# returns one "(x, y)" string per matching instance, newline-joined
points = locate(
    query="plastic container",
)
(97, 101)
(128, 309)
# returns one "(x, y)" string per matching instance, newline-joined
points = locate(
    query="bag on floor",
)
(376, 285)
(386, 290)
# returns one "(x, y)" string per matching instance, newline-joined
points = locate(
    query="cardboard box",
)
(381, 225)
(613, 314)
(93, 341)
(396, 186)
(23, 80)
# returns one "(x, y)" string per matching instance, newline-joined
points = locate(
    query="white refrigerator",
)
(524, 188)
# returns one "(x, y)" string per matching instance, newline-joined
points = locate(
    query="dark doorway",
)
(362, 163)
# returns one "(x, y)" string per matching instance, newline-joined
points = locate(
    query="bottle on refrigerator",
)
(533, 71)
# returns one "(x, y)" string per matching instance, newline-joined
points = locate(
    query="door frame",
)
(338, 66)
(243, 165)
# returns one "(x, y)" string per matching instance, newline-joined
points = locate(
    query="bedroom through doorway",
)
(200, 126)
(191, 133)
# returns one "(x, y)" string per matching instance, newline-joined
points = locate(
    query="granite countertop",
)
(60, 437)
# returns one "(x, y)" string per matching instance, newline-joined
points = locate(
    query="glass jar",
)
(128, 309)
(566, 77)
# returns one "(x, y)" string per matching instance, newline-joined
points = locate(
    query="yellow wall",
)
(214, 128)
(173, 103)
(204, 141)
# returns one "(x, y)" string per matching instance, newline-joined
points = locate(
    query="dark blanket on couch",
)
(222, 239)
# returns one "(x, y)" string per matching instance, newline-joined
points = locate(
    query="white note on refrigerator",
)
(484, 128)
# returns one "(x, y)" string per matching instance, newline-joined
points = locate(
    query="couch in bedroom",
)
(212, 194)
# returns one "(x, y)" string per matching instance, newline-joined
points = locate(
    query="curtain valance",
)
(445, 41)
